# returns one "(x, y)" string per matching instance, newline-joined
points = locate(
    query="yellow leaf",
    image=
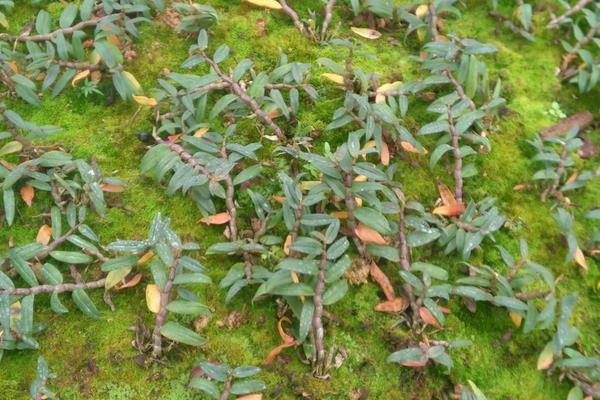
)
(153, 298)
(132, 81)
(115, 276)
(307, 185)
(366, 33)
(95, 57)
(200, 132)
(81, 75)
(255, 396)
(286, 245)
(384, 89)
(146, 257)
(10, 148)
(422, 11)
(145, 101)
(516, 318)
(580, 258)
(270, 4)
(546, 357)
(335, 78)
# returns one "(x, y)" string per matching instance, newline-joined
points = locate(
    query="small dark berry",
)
(144, 137)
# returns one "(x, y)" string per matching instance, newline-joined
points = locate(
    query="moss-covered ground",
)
(95, 359)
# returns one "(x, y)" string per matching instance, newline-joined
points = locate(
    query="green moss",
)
(95, 359)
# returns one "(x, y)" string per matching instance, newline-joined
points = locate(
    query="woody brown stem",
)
(229, 194)
(49, 36)
(296, 19)
(560, 170)
(236, 89)
(317, 323)
(227, 388)
(405, 262)
(585, 40)
(458, 178)
(327, 19)
(65, 287)
(57, 242)
(161, 316)
(576, 8)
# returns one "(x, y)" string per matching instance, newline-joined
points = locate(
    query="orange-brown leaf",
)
(392, 306)
(27, 194)
(368, 235)
(580, 258)
(410, 148)
(383, 281)
(450, 210)
(112, 188)
(428, 317)
(132, 282)
(445, 193)
(44, 235)
(288, 341)
(217, 219)
(278, 199)
(385, 154)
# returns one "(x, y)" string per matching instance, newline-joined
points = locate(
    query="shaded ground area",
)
(95, 359)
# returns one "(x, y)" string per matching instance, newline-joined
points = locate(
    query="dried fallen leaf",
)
(361, 178)
(288, 341)
(411, 149)
(111, 188)
(335, 78)
(580, 258)
(546, 358)
(286, 245)
(520, 186)
(96, 76)
(44, 235)
(516, 318)
(132, 282)
(422, 11)
(153, 298)
(384, 89)
(81, 75)
(339, 214)
(270, 4)
(383, 281)
(200, 132)
(392, 306)
(145, 101)
(450, 210)
(278, 199)
(366, 33)
(146, 257)
(27, 194)
(445, 193)
(217, 219)
(255, 396)
(428, 317)
(385, 154)
(368, 235)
